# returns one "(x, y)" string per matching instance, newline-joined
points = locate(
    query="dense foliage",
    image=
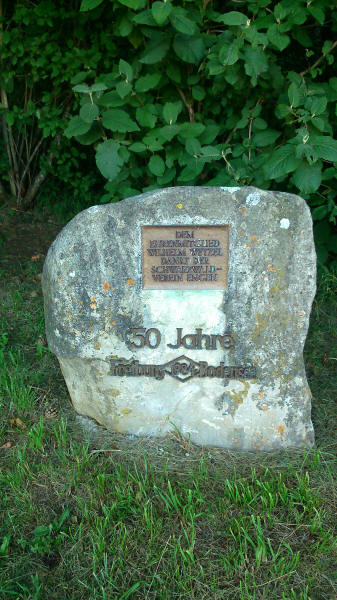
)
(42, 46)
(196, 92)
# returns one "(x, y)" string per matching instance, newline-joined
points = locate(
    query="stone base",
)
(227, 414)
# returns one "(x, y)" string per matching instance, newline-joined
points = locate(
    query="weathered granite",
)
(92, 283)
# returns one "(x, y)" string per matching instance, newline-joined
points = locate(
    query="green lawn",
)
(91, 515)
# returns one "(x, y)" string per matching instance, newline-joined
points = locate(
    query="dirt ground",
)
(23, 235)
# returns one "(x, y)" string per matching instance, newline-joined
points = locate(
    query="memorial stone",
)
(187, 307)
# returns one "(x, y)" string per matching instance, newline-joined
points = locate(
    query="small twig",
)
(158, 563)
(29, 160)
(7, 130)
(276, 579)
(250, 136)
(188, 106)
(319, 60)
(104, 450)
(228, 139)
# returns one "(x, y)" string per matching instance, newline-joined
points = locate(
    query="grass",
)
(101, 516)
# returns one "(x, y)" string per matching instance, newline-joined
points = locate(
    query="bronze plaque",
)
(185, 257)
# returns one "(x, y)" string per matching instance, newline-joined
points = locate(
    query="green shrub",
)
(214, 93)
(194, 92)
(42, 46)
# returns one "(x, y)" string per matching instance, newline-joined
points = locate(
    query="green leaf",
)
(281, 162)
(41, 531)
(91, 136)
(308, 177)
(111, 99)
(190, 173)
(89, 4)
(157, 165)
(108, 160)
(79, 78)
(317, 13)
(10, 119)
(134, 4)
(161, 11)
(325, 147)
(125, 26)
(123, 88)
(280, 40)
(319, 212)
(198, 92)
(211, 132)
(118, 120)
(171, 111)
(254, 37)
(147, 82)
(229, 53)
(295, 95)
(181, 22)
(137, 147)
(260, 123)
(301, 36)
(144, 18)
(153, 142)
(169, 131)
(190, 49)
(98, 87)
(146, 115)
(173, 72)
(155, 50)
(255, 63)
(89, 112)
(125, 69)
(193, 146)
(5, 545)
(327, 47)
(129, 592)
(76, 126)
(283, 111)
(81, 88)
(210, 153)
(316, 105)
(168, 176)
(191, 130)
(233, 18)
(318, 122)
(266, 137)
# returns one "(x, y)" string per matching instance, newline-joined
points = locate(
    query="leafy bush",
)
(196, 92)
(42, 46)
(202, 93)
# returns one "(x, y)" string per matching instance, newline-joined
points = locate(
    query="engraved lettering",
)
(185, 257)
(182, 368)
(184, 234)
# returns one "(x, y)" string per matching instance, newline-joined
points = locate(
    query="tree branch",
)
(319, 60)
(5, 127)
(188, 106)
(40, 177)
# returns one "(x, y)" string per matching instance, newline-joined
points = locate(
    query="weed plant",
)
(162, 519)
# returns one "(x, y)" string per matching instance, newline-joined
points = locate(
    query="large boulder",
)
(223, 361)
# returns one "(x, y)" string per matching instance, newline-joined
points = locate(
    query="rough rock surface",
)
(92, 282)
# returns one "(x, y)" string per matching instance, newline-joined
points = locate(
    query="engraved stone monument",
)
(187, 307)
